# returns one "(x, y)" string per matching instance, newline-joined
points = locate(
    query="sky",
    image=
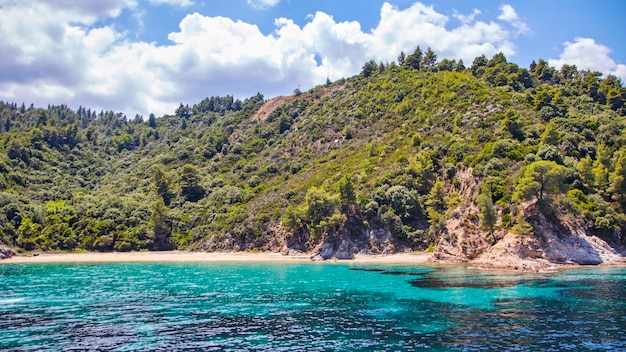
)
(148, 56)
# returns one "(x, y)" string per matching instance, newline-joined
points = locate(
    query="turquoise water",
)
(307, 307)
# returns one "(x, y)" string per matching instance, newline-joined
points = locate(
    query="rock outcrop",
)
(6, 252)
(555, 240)
(342, 249)
(561, 240)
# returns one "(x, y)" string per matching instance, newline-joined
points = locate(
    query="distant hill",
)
(420, 154)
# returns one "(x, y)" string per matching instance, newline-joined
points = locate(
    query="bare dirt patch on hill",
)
(316, 94)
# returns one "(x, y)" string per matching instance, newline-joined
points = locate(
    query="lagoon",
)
(307, 306)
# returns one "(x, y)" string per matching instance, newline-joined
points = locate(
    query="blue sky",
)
(147, 56)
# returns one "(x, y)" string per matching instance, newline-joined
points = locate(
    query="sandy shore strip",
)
(182, 257)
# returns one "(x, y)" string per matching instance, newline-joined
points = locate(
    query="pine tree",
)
(160, 226)
(488, 214)
(618, 180)
(540, 179)
(347, 196)
(414, 60)
(401, 58)
(430, 58)
(585, 169)
(162, 185)
(435, 203)
(190, 184)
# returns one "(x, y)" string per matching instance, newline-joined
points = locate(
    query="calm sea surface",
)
(307, 307)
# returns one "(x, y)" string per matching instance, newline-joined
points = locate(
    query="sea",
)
(342, 306)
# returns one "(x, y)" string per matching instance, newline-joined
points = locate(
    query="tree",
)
(430, 58)
(424, 171)
(524, 78)
(488, 214)
(319, 205)
(478, 65)
(600, 176)
(369, 68)
(548, 96)
(291, 218)
(618, 180)
(569, 71)
(585, 169)
(543, 71)
(436, 203)
(404, 202)
(183, 111)
(611, 93)
(446, 65)
(29, 234)
(539, 180)
(320, 210)
(513, 125)
(615, 98)
(401, 58)
(414, 60)
(591, 83)
(460, 66)
(162, 185)
(190, 184)
(347, 196)
(160, 226)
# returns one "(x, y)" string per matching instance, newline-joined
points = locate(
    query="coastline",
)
(273, 257)
(190, 257)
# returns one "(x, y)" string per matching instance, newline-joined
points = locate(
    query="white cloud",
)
(467, 19)
(508, 14)
(620, 71)
(403, 30)
(585, 53)
(63, 57)
(181, 3)
(262, 4)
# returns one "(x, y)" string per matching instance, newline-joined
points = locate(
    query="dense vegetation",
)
(380, 156)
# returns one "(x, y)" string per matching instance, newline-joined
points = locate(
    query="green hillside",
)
(383, 160)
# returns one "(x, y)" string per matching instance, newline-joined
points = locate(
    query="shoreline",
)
(273, 257)
(199, 257)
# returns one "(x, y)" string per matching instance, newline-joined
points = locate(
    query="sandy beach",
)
(182, 256)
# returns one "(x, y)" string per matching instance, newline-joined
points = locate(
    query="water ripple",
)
(269, 307)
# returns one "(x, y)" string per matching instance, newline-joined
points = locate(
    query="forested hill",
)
(387, 160)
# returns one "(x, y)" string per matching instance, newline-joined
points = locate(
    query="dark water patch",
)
(613, 291)
(523, 325)
(539, 283)
(394, 272)
(374, 270)
(438, 283)
(399, 273)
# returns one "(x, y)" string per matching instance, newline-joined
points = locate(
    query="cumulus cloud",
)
(64, 57)
(402, 30)
(585, 53)
(508, 14)
(262, 4)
